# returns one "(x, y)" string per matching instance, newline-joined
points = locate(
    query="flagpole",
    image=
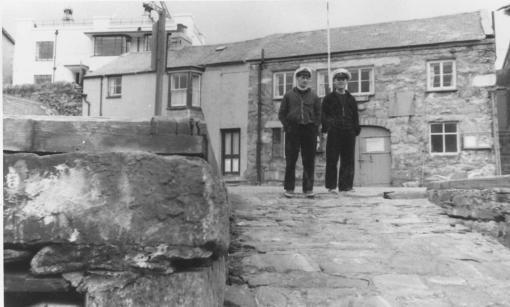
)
(329, 47)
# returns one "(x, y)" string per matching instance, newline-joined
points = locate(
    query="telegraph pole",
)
(159, 49)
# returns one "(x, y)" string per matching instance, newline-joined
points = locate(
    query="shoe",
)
(332, 191)
(288, 193)
(310, 194)
(347, 190)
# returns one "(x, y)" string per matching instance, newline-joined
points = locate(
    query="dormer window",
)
(184, 90)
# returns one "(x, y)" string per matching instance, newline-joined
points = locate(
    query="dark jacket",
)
(300, 108)
(340, 113)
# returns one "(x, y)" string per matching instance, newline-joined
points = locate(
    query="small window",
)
(322, 83)
(441, 75)
(185, 90)
(148, 42)
(44, 51)
(362, 81)
(41, 79)
(278, 144)
(282, 82)
(444, 138)
(110, 45)
(230, 151)
(114, 86)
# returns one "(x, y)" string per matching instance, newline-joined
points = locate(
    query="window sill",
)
(113, 97)
(441, 154)
(44, 60)
(441, 90)
(183, 108)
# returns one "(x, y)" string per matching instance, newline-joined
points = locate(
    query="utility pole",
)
(159, 48)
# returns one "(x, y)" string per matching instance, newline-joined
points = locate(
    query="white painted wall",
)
(225, 105)
(73, 46)
(136, 101)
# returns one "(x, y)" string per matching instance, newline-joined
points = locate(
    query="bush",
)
(62, 97)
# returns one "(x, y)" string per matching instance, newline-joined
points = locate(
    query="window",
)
(278, 148)
(230, 151)
(148, 43)
(282, 82)
(441, 75)
(44, 51)
(361, 83)
(110, 45)
(443, 138)
(114, 86)
(322, 83)
(41, 79)
(184, 90)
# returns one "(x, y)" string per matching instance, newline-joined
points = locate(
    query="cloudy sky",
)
(228, 21)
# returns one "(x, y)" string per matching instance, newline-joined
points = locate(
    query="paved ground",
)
(358, 249)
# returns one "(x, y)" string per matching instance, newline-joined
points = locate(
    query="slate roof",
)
(427, 31)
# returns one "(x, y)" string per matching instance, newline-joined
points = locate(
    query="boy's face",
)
(303, 80)
(340, 82)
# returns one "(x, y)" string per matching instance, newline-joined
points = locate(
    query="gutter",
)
(259, 120)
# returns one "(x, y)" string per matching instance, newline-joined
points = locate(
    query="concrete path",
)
(358, 249)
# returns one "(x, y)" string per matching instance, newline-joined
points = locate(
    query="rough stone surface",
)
(118, 199)
(200, 287)
(371, 251)
(397, 71)
(482, 204)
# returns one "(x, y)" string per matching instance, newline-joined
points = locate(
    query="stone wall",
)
(123, 228)
(482, 204)
(398, 71)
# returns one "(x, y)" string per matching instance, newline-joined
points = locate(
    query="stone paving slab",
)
(358, 249)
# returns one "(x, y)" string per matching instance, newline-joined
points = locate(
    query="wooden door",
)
(373, 157)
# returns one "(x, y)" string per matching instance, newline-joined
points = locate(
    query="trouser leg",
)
(332, 154)
(292, 144)
(308, 148)
(347, 150)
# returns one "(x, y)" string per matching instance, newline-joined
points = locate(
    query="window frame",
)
(190, 90)
(350, 69)
(443, 133)
(230, 156)
(124, 45)
(430, 76)
(276, 94)
(38, 51)
(112, 94)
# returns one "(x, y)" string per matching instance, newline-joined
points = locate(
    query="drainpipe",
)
(101, 98)
(55, 56)
(259, 121)
(84, 100)
(495, 131)
(160, 60)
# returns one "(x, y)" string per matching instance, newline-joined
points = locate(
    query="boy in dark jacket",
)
(340, 120)
(300, 116)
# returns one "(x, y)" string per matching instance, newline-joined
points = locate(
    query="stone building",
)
(424, 89)
(503, 108)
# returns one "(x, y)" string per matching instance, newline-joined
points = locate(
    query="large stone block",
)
(144, 206)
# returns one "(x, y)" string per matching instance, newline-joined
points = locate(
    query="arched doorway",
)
(373, 157)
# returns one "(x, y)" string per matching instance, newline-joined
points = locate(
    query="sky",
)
(238, 20)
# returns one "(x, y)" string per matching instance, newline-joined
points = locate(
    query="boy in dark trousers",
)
(300, 116)
(340, 120)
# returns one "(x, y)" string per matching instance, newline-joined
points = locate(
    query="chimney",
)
(179, 39)
(68, 15)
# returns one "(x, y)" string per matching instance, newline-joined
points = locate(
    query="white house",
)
(64, 50)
